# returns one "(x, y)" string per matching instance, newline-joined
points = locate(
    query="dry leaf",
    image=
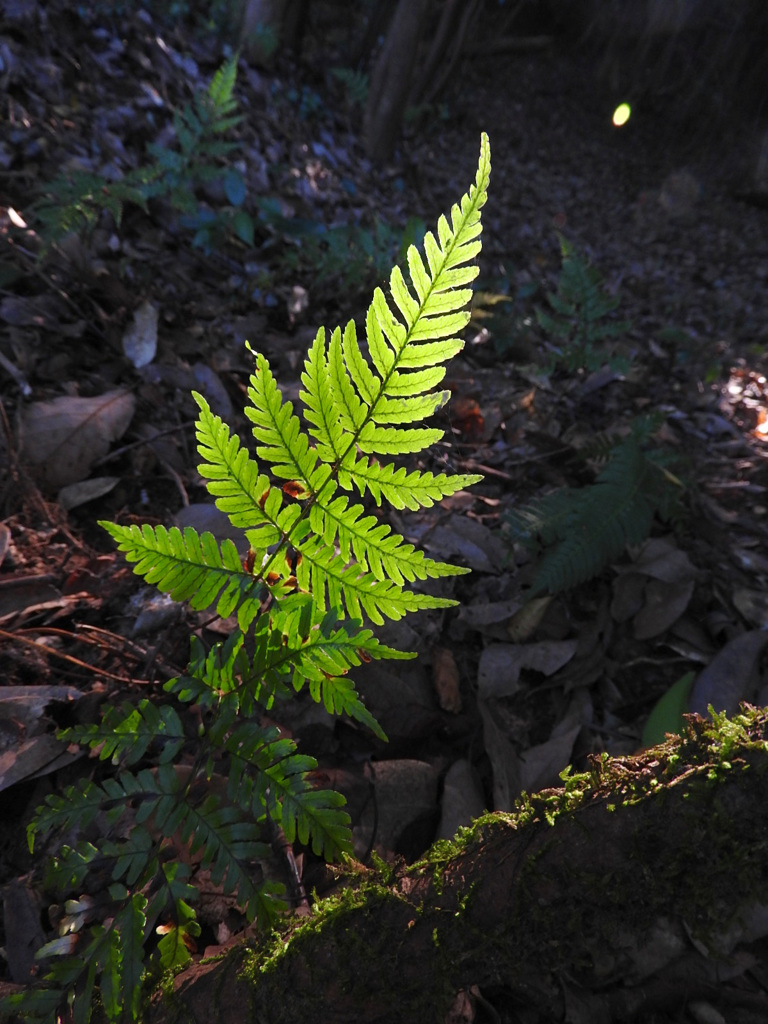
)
(503, 756)
(39, 755)
(731, 676)
(489, 613)
(445, 677)
(526, 621)
(467, 542)
(86, 490)
(27, 594)
(540, 766)
(62, 438)
(753, 605)
(664, 604)
(21, 913)
(463, 799)
(498, 674)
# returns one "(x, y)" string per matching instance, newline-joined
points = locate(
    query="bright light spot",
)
(621, 114)
(16, 218)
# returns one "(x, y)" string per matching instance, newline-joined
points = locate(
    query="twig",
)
(68, 657)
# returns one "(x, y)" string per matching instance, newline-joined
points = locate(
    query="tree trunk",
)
(391, 78)
(626, 892)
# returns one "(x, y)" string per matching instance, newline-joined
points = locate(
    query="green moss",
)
(562, 911)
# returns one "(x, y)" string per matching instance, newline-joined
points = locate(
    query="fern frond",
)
(276, 429)
(126, 732)
(229, 844)
(318, 565)
(268, 775)
(135, 858)
(188, 566)
(77, 808)
(352, 405)
(351, 402)
(123, 972)
(584, 530)
(373, 544)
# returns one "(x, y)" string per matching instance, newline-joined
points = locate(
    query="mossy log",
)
(636, 887)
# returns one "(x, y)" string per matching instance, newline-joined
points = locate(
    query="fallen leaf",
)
(445, 677)
(487, 614)
(21, 914)
(26, 704)
(664, 604)
(753, 605)
(526, 621)
(61, 439)
(731, 676)
(26, 594)
(84, 491)
(462, 1009)
(500, 665)
(628, 595)
(402, 701)
(505, 761)
(404, 795)
(462, 801)
(661, 559)
(208, 382)
(540, 766)
(36, 756)
(466, 541)
(466, 416)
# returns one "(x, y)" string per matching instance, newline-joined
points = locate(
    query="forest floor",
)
(506, 691)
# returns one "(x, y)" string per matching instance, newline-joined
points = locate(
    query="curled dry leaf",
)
(62, 439)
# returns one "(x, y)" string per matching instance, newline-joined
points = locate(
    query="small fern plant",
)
(576, 532)
(579, 317)
(318, 565)
(74, 200)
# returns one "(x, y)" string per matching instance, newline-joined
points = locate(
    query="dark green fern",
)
(75, 199)
(319, 564)
(579, 321)
(582, 530)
